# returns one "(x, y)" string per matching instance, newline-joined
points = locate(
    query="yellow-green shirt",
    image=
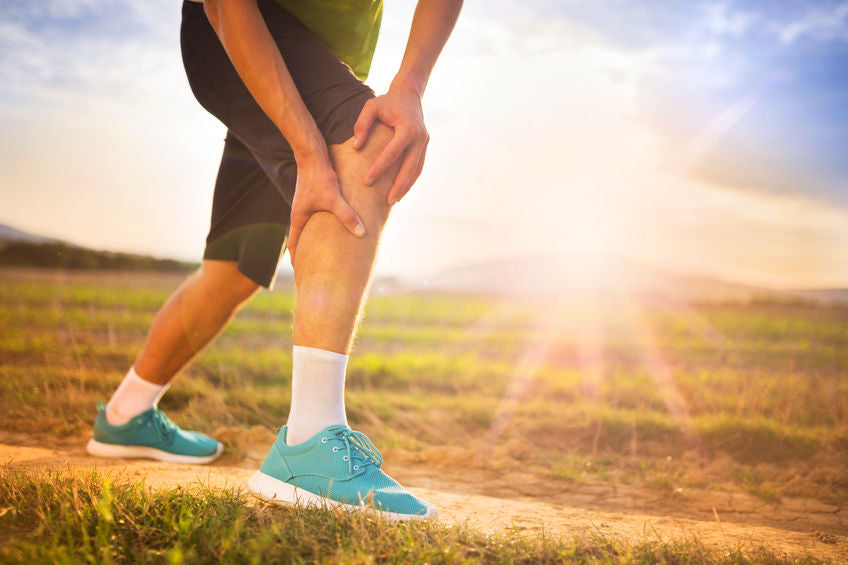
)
(348, 27)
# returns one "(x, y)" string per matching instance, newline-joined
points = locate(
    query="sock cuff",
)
(146, 385)
(132, 397)
(315, 354)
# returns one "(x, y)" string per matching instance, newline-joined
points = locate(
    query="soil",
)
(496, 501)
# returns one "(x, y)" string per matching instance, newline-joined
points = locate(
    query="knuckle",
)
(411, 131)
(417, 130)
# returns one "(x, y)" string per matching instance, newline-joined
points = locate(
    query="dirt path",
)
(496, 502)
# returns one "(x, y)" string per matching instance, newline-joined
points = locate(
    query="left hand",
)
(399, 108)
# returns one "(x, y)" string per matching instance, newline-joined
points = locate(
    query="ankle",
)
(132, 397)
(318, 378)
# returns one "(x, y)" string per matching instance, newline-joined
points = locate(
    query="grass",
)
(58, 517)
(762, 387)
(758, 486)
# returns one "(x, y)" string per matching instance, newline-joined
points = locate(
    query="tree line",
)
(60, 255)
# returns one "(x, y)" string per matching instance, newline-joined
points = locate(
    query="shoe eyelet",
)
(356, 467)
(344, 458)
(323, 440)
(335, 449)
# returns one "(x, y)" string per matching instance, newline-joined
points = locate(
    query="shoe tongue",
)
(337, 429)
(146, 416)
(149, 413)
(156, 414)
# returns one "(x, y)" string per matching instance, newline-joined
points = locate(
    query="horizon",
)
(596, 271)
(705, 140)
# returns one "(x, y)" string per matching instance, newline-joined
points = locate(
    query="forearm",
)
(258, 61)
(431, 27)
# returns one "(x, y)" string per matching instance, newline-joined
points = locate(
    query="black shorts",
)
(251, 206)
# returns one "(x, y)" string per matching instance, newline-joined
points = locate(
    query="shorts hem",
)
(256, 249)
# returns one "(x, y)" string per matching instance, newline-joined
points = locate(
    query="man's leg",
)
(317, 459)
(332, 271)
(192, 317)
(332, 267)
(197, 311)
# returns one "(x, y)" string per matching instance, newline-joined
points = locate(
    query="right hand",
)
(317, 189)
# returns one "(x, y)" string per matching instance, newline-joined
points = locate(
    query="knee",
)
(225, 282)
(353, 164)
(244, 290)
(378, 137)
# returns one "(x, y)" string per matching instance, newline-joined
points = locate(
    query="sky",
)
(701, 137)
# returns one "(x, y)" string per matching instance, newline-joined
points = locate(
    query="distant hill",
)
(534, 277)
(21, 248)
(832, 295)
(581, 275)
(9, 234)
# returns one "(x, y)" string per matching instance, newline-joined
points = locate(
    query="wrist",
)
(312, 161)
(409, 82)
(311, 152)
(302, 134)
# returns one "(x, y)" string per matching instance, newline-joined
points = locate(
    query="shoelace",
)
(357, 444)
(163, 424)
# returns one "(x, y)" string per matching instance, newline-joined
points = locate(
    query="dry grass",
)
(745, 396)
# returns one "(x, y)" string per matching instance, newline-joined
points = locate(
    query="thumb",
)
(363, 124)
(348, 217)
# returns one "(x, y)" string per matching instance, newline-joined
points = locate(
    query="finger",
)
(418, 172)
(363, 124)
(409, 172)
(393, 150)
(405, 172)
(348, 217)
(415, 178)
(407, 189)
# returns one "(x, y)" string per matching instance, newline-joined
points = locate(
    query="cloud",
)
(721, 19)
(51, 50)
(543, 118)
(96, 109)
(819, 23)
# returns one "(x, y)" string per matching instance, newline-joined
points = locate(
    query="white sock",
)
(133, 396)
(318, 380)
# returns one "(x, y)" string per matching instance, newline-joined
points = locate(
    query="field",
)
(593, 430)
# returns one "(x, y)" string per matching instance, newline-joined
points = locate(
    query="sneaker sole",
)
(274, 491)
(99, 449)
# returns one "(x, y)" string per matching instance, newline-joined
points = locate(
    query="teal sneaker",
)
(336, 468)
(151, 435)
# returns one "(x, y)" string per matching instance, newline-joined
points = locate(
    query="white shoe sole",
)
(99, 449)
(275, 491)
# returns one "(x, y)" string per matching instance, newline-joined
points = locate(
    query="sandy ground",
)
(497, 501)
